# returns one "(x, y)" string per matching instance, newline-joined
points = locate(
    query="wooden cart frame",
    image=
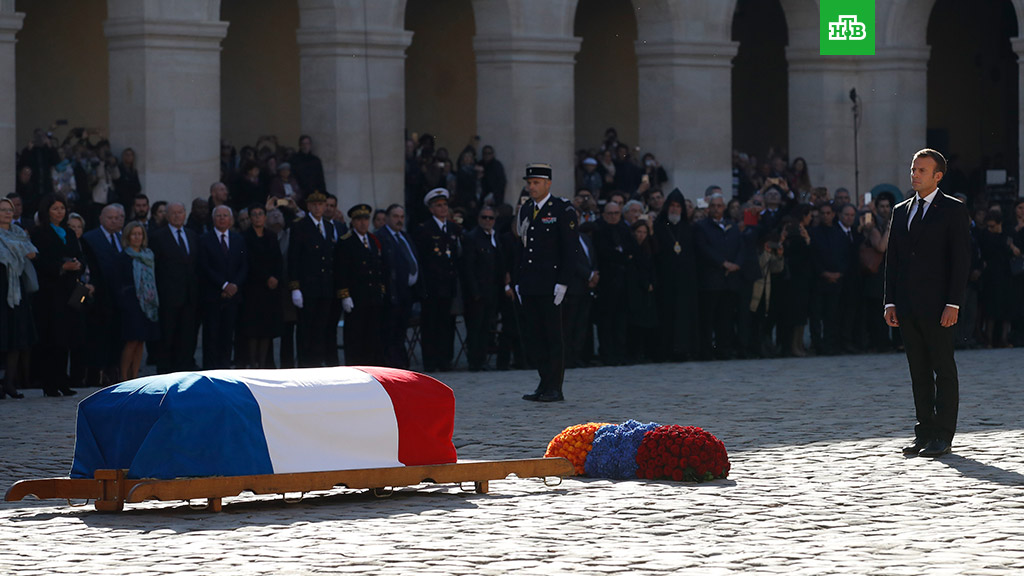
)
(111, 490)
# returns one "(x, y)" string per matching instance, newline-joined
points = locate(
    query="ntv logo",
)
(847, 28)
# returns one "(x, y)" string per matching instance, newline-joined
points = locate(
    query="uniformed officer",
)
(547, 229)
(359, 277)
(311, 268)
(439, 247)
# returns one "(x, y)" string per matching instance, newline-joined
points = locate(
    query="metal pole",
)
(856, 156)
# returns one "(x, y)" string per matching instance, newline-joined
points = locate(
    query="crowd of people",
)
(97, 278)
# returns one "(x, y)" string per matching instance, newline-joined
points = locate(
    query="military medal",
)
(677, 248)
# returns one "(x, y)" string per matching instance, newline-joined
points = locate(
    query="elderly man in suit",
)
(720, 258)
(177, 283)
(223, 266)
(926, 269)
(403, 273)
(102, 248)
(484, 281)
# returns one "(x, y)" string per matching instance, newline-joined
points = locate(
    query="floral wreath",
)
(635, 450)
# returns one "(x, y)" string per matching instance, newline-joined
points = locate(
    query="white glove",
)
(560, 290)
(347, 305)
(297, 298)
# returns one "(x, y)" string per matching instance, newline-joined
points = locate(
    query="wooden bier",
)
(110, 489)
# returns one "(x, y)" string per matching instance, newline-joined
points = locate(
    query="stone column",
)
(10, 23)
(685, 102)
(353, 106)
(1018, 48)
(892, 88)
(525, 104)
(165, 101)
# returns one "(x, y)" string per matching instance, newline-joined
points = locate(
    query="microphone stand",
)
(856, 159)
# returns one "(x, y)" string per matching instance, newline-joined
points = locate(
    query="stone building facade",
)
(165, 70)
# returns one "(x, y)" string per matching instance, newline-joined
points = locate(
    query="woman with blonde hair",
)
(17, 280)
(139, 303)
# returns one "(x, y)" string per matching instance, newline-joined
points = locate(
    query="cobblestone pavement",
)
(818, 486)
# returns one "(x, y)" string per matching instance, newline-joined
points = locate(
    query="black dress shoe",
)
(936, 447)
(68, 391)
(555, 397)
(534, 397)
(51, 393)
(918, 445)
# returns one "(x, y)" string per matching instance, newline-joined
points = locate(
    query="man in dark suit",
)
(851, 294)
(402, 267)
(615, 247)
(311, 269)
(223, 266)
(720, 258)
(102, 249)
(439, 245)
(830, 255)
(926, 269)
(547, 228)
(580, 298)
(484, 281)
(177, 283)
(359, 275)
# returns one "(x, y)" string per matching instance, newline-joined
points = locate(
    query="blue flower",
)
(614, 451)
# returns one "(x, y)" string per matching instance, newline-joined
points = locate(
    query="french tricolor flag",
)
(245, 422)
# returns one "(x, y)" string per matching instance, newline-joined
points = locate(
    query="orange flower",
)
(574, 443)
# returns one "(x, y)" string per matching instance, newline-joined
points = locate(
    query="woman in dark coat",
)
(138, 299)
(676, 267)
(997, 248)
(261, 309)
(641, 309)
(59, 266)
(17, 280)
(798, 279)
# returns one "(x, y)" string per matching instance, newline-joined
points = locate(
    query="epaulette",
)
(346, 235)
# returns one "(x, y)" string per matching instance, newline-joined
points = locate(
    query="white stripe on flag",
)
(323, 419)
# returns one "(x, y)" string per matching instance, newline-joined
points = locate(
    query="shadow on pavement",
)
(980, 471)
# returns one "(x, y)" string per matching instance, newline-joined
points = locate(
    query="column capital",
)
(885, 60)
(378, 43)
(707, 54)
(1017, 44)
(526, 49)
(10, 24)
(129, 34)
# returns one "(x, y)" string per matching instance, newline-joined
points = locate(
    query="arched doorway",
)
(440, 72)
(973, 95)
(606, 83)
(61, 69)
(259, 81)
(760, 84)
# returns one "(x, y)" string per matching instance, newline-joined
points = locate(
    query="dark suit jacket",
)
(177, 279)
(217, 268)
(483, 265)
(359, 271)
(549, 254)
(715, 246)
(927, 266)
(104, 269)
(830, 252)
(311, 259)
(585, 265)
(398, 269)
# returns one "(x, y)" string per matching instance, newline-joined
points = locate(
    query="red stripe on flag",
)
(425, 410)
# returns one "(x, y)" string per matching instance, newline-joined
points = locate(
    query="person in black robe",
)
(676, 267)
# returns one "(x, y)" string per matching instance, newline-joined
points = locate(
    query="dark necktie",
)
(181, 242)
(849, 235)
(919, 217)
(224, 243)
(366, 242)
(113, 242)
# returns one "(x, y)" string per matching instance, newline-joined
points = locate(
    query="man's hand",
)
(890, 317)
(231, 290)
(730, 267)
(949, 316)
(272, 283)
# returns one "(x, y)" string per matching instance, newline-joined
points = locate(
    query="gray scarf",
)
(15, 247)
